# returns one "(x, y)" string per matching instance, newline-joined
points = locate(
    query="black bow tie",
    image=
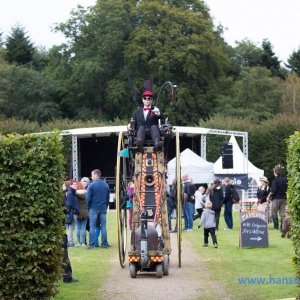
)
(147, 108)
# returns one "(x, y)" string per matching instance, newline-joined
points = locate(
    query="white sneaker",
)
(77, 245)
(83, 245)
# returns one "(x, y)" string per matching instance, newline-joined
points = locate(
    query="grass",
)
(90, 267)
(230, 262)
(225, 264)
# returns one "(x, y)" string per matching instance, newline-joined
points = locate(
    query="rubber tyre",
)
(159, 271)
(132, 270)
(165, 265)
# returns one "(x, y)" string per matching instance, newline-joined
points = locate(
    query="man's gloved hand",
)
(156, 111)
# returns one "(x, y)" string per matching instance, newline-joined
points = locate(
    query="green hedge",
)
(267, 145)
(8, 126)
(31, 215)
(293, 168)
(266, 140)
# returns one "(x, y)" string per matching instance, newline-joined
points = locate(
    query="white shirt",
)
(199, 200)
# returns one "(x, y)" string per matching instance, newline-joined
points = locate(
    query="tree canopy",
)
(113, 46)
(19, 49)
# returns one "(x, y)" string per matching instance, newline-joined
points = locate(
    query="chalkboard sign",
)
(254, 229)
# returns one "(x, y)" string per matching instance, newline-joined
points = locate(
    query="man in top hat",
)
(146, 121)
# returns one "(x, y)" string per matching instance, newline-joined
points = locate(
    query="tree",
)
(19, 49)
(175, 40)
(255, 95)
(247, 54)
(158, 40)
(28, 94)
(96, 83)
(270, 61)
(1, 40)
(291, 97)
(294, 62)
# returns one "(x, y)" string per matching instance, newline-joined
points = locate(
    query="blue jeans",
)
(228, 215)
(184, 211)
(81, 231)
(93, 213)
(189, 217)
(170, 210)
(97, 233)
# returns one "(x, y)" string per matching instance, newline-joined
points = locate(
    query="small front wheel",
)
(159, 271)
(132, 270)
(165, 264)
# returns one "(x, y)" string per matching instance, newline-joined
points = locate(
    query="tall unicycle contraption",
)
(121, 186)
(146, 167)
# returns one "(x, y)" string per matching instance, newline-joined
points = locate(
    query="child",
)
(129, 204)
(209, 223)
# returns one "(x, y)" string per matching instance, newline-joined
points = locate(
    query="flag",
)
(124, 153)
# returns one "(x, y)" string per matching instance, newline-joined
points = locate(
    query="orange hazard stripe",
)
(156, 258)
(133, 258)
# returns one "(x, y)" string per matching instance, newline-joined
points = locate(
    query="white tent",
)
(239, 164)
(198, 169)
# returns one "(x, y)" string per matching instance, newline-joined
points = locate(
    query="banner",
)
(240, 181)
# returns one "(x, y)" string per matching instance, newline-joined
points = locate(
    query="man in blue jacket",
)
(97, 200)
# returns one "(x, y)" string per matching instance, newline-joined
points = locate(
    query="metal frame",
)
(242, 134)
(187, 131)
(75, 156)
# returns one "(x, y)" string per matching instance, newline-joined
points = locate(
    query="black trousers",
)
(66, 265)
(217, 216)
(212, 232)
(153, 131)
(199, 211)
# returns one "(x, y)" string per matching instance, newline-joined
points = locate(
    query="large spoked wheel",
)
(179, 196)
(121, 185)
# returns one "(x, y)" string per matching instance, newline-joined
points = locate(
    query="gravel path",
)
(191, 281)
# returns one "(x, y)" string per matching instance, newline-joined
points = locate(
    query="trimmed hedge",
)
(31, 215)
(293, 194)
(8, 126)
(267, 145)
(266, 140)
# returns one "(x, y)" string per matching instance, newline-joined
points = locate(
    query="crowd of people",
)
(87, 201)
(86, 208)
(206, 203)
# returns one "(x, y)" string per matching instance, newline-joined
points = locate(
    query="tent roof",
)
(96, 131)
(198, 169)
(108, 130)
(239, 163)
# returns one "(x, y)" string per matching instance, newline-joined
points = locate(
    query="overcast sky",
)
(38, 17)
(275, 20)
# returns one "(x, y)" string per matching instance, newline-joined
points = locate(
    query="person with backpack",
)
(231, 197)
(215, 194)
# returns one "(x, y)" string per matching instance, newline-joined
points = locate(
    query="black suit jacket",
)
(152, 118)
